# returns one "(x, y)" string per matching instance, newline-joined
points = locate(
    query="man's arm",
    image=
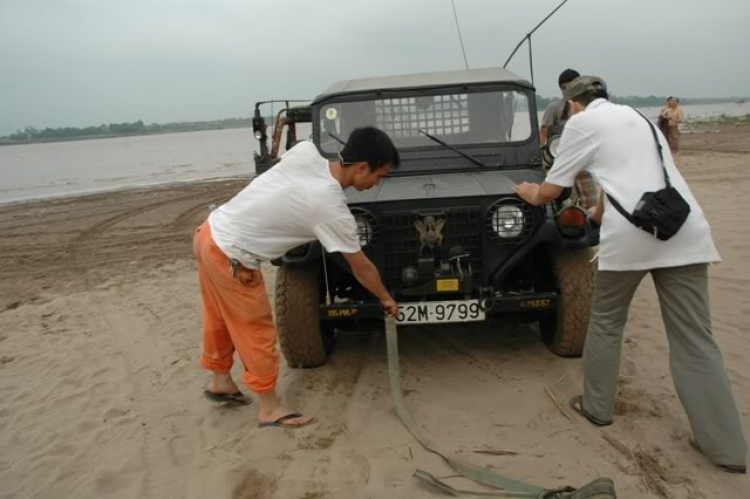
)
(542, 135)
(367, 274)
(548, 119)
(538, 194)
(577, 151)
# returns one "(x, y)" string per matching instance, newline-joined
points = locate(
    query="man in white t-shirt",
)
(615, 143)
(299, 200)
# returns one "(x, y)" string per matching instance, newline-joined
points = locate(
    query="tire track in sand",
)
(142, 363)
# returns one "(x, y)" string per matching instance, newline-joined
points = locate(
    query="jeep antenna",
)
(528, 37)
(460, 38)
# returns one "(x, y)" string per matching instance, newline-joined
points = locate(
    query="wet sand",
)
(101, 392)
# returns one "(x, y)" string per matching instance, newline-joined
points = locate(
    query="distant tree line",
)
(649, 101)
(32, 134)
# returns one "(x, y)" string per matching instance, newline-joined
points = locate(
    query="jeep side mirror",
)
(259, 126)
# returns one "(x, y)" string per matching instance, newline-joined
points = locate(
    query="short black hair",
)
(567, 76)
(371, 145)
(587, 98)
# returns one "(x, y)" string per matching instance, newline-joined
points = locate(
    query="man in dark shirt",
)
(585, 192)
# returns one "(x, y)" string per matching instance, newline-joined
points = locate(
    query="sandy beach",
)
(101, 391)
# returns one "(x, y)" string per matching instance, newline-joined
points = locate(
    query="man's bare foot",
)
(273, 412)
(222, 389)
(222, 383)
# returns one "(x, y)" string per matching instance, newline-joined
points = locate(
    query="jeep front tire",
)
(303, 341)
(564, 332)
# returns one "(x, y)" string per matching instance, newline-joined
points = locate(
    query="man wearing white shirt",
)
(616, 145)
(299, 200)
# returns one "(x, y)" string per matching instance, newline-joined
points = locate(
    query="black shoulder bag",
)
(659, 213)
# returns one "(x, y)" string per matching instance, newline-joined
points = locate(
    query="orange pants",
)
(236, 315)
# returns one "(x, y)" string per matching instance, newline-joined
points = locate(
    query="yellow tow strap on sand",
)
(602, 488)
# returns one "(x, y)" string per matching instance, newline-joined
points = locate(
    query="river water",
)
(37, 171)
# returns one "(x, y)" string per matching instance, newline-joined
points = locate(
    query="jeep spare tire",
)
(564, 332)
(303, 342)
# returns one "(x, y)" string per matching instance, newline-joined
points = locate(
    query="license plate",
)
(440, 312)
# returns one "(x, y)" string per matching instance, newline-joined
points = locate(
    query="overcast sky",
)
(81, 62)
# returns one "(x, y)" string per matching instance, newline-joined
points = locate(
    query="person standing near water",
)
(670, 118)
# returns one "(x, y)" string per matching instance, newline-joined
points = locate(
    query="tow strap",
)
(602, 488)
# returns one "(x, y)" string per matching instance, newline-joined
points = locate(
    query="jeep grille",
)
(463, 227)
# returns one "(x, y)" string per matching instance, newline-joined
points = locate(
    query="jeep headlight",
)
(507, 221)
(554, 146)
(366, 227)
(551, 149)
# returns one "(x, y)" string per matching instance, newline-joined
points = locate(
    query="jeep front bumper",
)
(444, 311)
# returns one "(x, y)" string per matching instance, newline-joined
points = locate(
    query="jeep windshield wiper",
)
(336, 139)
(467, 156)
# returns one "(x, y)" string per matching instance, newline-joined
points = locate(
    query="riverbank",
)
(723, 120)
(45, 171)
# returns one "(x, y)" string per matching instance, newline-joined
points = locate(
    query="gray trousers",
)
(695, 361)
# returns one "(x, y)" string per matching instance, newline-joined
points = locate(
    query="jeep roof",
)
(422, 80)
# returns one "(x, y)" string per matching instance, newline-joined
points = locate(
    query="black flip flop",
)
(729, 468)
(576, 403)
(231, 398)
(279, 423)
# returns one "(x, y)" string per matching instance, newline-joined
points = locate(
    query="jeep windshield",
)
(478, 123)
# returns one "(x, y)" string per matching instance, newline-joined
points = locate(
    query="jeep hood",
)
(444, 185)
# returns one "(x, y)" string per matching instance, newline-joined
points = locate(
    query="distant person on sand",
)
(299, 200)
(670, 118)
